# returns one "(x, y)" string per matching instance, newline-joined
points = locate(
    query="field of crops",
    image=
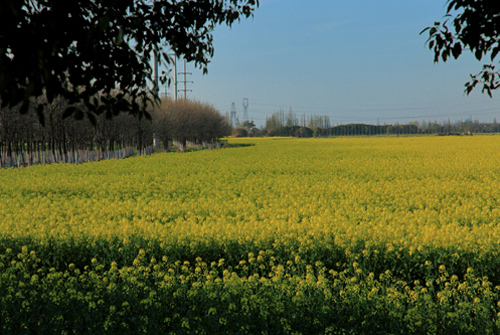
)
(385, 235)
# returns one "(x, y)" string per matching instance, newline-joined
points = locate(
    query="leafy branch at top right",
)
(472, 25)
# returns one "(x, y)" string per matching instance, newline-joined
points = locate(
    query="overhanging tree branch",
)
(96, 53)
(470, 25)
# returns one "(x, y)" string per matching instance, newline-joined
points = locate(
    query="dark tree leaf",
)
(68, 112)
(24, 108)
(92, 119)
(478, 54)
(494, 52)
(40, 114)
(457, 50)
(79, 115)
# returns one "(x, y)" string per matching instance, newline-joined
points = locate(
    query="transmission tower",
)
(185, 90)
(245, 109)
(233, 114)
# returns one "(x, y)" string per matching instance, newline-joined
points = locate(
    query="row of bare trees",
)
(189, 123)
(185, 123)
(24, 142)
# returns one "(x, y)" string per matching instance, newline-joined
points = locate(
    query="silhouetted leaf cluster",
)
(470, 25)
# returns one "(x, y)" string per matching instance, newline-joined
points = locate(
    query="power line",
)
(361, 109)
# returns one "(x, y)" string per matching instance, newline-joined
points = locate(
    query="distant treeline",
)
(289, 124)
(344, 130)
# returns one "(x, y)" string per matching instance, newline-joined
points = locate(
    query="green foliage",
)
(259, 295)
(304, 132)
(239, 132)
(257, 132)
(248, 124)
(84, 51)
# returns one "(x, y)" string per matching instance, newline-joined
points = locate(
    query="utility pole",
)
(233, 114)
(156, 87)
(245, 109)
(175, 77)
(174, 60)
(185, 90)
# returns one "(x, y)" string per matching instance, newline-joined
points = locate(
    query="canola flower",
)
(322, 223)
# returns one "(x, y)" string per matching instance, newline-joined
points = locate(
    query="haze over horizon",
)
(355, 61)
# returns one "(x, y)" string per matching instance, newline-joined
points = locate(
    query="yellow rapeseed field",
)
(388, 217)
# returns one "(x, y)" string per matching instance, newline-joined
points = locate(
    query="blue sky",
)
(359, 61)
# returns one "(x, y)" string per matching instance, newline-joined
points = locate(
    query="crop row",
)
(259, 295)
